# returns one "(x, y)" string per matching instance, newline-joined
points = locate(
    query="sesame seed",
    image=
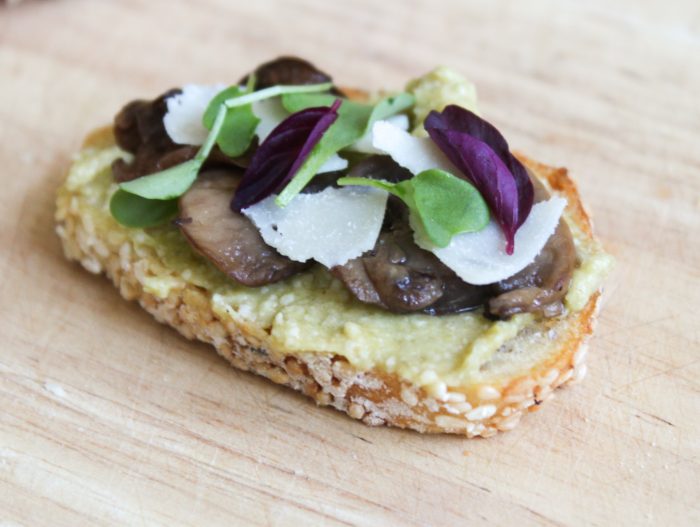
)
(488, 393)
(458, 408)
(510, 423)
(438, 390)
(447, 421)
(482, 412)
(356, 411)
(455, 397)
(408, 396)
(564, 377)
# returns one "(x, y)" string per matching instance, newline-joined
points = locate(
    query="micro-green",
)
(445, 204)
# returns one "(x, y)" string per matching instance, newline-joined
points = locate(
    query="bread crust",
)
(375, 397)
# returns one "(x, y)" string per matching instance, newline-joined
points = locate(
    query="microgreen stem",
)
(297, 184)
(274, 91)
(364, 182)
(250, 85)
(205, 150)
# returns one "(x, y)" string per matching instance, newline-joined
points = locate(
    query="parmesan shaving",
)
(413, 153)
(331, 226)
(365, 143)
(480, 258)
(183, 120)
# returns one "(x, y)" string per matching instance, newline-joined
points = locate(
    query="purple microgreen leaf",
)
(481, 153)
(350, 126)
(281, 155)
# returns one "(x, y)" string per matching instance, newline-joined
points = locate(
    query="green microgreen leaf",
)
(445, 205)
(390, 105)
(167, 184)
(295, 102)
(134, 211)
(448, 205)
(354, 119)
(238, 128)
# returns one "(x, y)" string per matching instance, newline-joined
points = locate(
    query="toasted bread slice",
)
(527, 366)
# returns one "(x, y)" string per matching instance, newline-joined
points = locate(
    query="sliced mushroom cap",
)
(402, 273)
(354, 276)
(141, 122)
(397, 274)
(542, 285)
(139, 129)
(289, 71)
(228, 239)
(458, 296)
(401, 277)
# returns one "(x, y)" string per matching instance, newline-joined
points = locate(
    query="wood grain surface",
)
(108, 418)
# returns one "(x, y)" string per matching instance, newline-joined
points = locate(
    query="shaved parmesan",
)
(331, 227)
(479, 257)
(271, 113)
(183, 120)
(334, 163)
(413, 153)
(365, 143)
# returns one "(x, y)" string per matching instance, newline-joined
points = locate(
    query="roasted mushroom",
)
(542, 285)
(396, 275)
(139, 130)
(228, 239)
(287, 70)
(401, 277)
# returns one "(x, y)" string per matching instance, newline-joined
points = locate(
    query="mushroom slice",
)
(228, 239)
(287, 70)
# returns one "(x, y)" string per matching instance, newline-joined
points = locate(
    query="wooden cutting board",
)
(108, 418)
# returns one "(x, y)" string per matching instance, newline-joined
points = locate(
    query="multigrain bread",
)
(522, 373)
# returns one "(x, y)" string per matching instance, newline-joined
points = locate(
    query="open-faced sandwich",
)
(386, 254)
